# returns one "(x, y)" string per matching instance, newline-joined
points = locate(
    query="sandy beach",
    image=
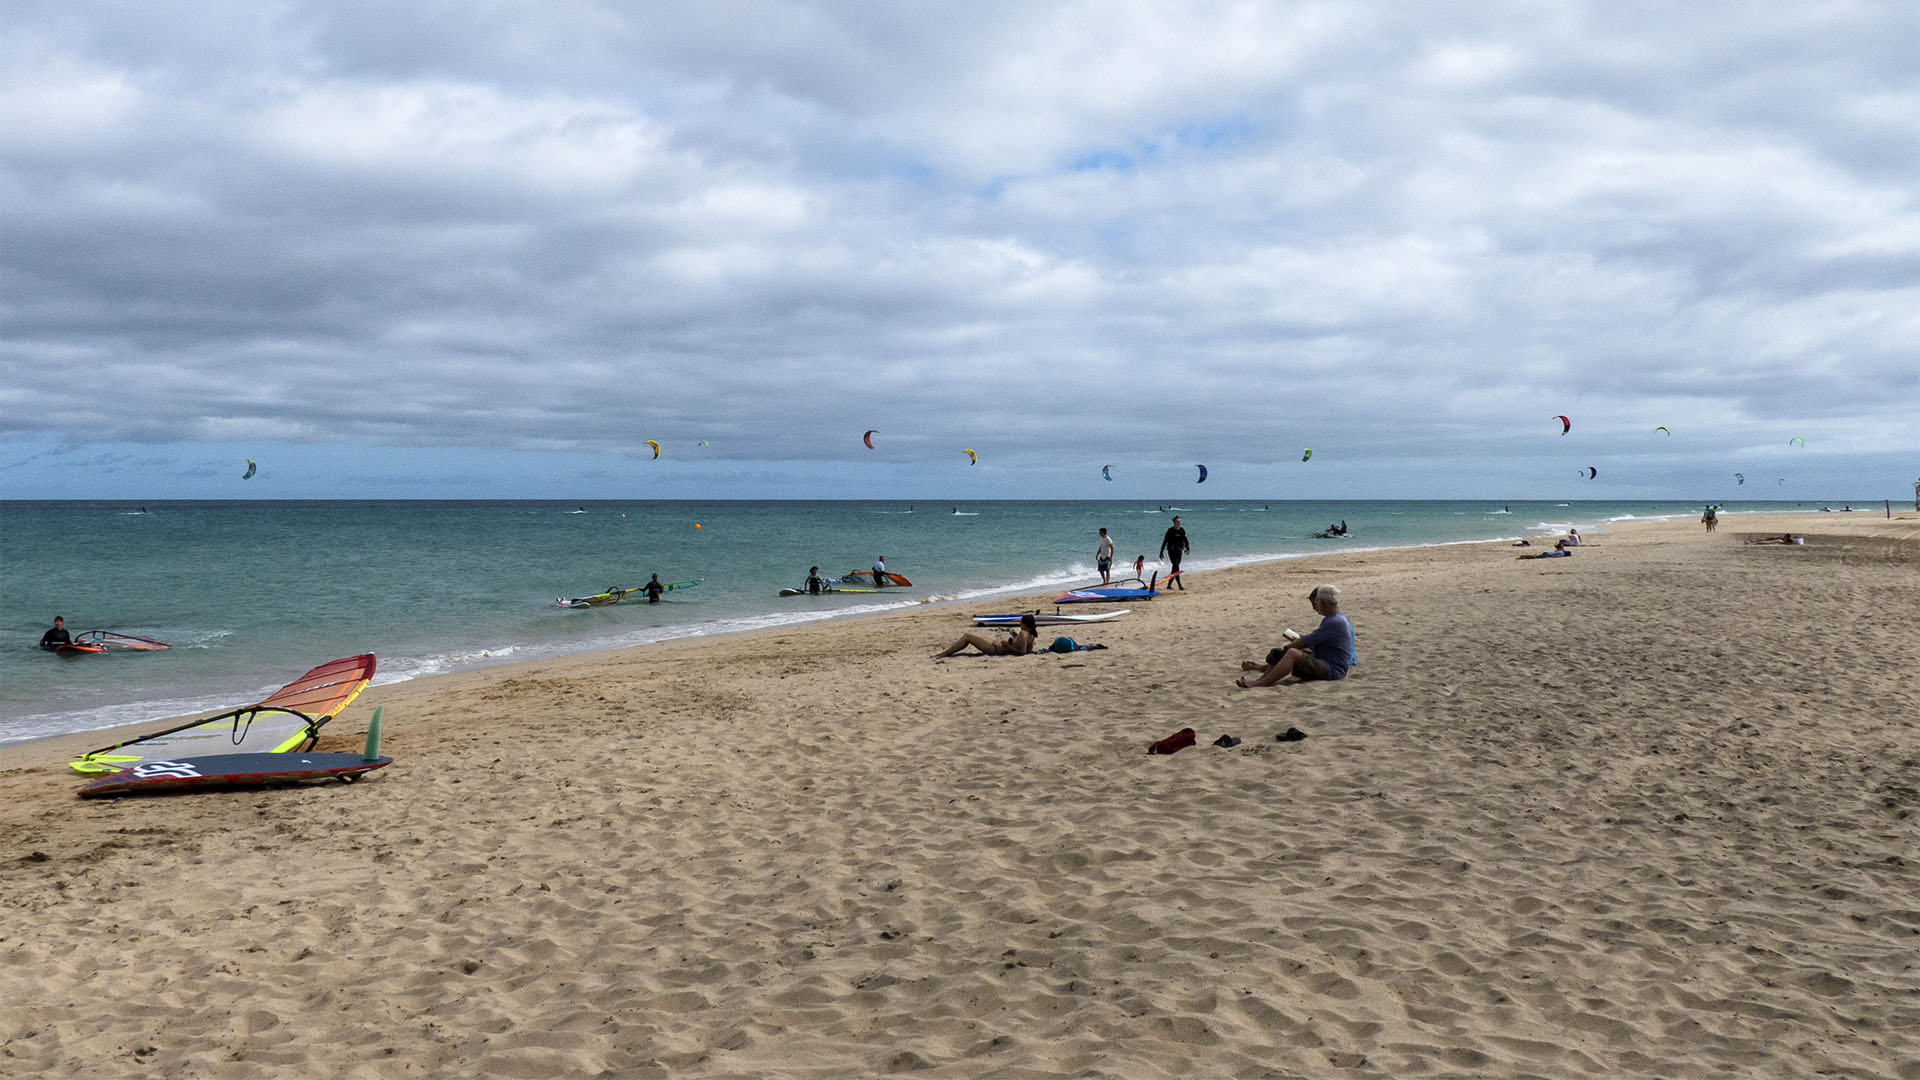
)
(1646, 811)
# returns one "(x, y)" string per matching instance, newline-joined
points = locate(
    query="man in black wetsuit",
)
(1174, 545)
(654, 589)
(57, 636)
(814, 585)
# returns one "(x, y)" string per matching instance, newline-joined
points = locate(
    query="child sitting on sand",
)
(1019, 643)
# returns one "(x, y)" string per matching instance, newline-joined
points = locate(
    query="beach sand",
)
(1647, 811)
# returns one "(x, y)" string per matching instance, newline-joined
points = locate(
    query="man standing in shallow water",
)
(1103, 558)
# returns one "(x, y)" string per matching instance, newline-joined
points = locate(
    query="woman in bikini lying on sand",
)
(1019, 643)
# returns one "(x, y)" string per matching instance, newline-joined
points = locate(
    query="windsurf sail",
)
(289, 719)
(865, 577)
(110, 639)
(611, 596)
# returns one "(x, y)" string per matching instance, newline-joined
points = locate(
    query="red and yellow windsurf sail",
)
(289, 719)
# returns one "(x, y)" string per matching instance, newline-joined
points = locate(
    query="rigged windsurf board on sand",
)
(1056, 619)
(158, 775)
(289, 719)
(1109, 594)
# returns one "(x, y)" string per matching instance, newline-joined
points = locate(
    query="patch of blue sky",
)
(1216, 133)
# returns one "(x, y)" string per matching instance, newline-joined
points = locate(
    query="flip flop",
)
(1226, 740)
(1293, 734)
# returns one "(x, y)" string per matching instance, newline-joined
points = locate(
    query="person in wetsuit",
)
(1174, 545)
(57, 636)
(654, 589)
(815, 586)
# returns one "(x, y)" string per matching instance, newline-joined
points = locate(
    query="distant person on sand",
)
(1019, 643)
(1710, 517)
(1174, 545)
(57, 636)
(1573, 538)
(1325, 654)
(1103, 558)
(1559, 552)
(654, 589)
(1140, 567)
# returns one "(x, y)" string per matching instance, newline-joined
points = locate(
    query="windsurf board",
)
(1056, 619)
(230, 770)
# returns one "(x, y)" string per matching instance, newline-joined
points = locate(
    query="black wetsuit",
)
(1173, 546)
(815, 586)
(654, 589)
(55, 638)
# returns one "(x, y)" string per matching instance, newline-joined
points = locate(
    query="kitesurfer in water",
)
(1326, 653)
(57, 636)
(1173, 546)
(654, 589)
(1019, 643)
(815, 586)
(1103, 558)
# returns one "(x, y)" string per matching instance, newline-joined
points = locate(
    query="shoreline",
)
(709, 631)
(1568, 817)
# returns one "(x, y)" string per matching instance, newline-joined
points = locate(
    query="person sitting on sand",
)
(1573, 538)
(1783, 538)
(1325, 654)
(1019, 643)
(1559, 552)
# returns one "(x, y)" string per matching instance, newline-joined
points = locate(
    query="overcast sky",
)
(487, 249)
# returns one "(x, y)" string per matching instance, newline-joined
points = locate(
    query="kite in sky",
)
(251, 469)
(1566, 425)
(868, 438)
(1666, 429)
(1796, 441)
(1589, 472)
(972, 458)
(1307, 454)
(656, 449)
(1107, 471)
(1203, 474)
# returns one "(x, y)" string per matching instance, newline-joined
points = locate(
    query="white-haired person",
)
(1325, 654)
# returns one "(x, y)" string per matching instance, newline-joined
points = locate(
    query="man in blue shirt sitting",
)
(1326, 653)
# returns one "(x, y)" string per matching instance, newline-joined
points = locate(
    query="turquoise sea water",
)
(252, 594)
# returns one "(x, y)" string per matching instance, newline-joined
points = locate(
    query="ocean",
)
(252, 594)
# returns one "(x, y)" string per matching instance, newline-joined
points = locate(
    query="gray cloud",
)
(1398, 233)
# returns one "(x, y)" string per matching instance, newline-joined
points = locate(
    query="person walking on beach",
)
(1103, 558)
(654, 589)
(879, 571)
(1174, 545)
(1710, 517)
(1326, 653)
(57, 636)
